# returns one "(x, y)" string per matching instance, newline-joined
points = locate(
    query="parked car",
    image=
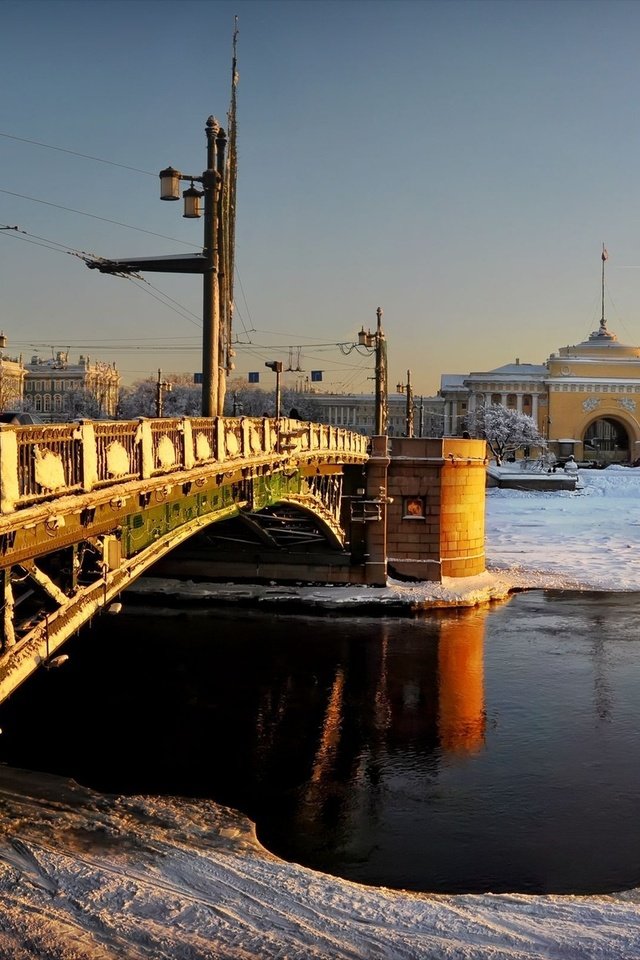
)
(20, 418)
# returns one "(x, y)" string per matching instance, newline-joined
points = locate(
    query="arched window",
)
(512, 401)
(496, 399)
(57, 403)
(38, 403)
(527, 404)
(47, 403)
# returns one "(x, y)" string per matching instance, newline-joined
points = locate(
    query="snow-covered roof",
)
(521, 369)
(452, 381)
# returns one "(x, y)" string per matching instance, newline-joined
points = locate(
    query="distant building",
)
(518, 386)
(12, 375)
(357, 411)
(59, 390)
(585, 399)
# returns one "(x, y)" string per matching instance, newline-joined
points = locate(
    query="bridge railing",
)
(39, 463)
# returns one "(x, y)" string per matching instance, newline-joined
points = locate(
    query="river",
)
(460, 751)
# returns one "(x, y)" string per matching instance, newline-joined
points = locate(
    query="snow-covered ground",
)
(83, 875)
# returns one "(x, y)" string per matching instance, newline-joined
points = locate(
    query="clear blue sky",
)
(457, 163)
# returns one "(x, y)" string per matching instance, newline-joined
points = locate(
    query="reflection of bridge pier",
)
(395, 709)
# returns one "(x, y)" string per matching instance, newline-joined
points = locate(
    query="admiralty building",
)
(585, 398)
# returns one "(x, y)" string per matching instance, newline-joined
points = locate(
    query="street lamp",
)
(211, 181)
(376, 341)
(276, 366)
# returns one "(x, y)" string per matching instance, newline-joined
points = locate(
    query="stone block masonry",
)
(434, 510)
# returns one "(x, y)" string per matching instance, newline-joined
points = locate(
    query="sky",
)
(458, 164)
(84, 874)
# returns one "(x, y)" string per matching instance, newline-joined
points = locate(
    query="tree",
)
(140, 399)
(505, 430)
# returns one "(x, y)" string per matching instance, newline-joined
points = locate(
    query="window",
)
(57, 403)
(38, 403)
(413, 508)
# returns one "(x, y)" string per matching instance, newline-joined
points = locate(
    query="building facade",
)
(12, 377)
(357, 411)
(585, 399)
(57, 389)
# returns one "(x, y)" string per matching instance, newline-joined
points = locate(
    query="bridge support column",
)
(376, 531)
(435, 521)
(7, 609)
(9, 488)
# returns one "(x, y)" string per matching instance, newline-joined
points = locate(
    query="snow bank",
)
(84, 875)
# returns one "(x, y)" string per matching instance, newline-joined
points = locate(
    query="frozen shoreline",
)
(84, 875)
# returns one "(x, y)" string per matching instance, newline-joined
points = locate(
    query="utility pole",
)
(378, 342)
(409, 417)
(162, 387)
(407, 389)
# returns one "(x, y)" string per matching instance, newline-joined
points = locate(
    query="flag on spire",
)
(605, 255)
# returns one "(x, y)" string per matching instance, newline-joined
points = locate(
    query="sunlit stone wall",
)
(436, 508)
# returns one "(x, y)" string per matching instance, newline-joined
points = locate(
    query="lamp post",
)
(276, 366)
(211, 181)
(377, 342)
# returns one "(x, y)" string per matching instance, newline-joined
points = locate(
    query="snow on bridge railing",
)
(40, 462)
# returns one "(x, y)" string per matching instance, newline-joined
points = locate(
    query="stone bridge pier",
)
(421, 512)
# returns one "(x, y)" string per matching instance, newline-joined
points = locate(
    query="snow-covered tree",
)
(140, 399)
(505, 430)
(256, 402)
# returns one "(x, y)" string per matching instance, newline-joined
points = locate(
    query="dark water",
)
(465, 751)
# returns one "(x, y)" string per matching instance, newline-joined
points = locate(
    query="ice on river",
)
(84, 875)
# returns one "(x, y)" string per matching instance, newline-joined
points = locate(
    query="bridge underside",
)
(286, 542)
(67, 563)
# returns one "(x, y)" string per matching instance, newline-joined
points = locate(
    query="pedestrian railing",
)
(43, 462)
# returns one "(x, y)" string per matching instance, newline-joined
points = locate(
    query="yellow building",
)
(585, 398)
(594, 399)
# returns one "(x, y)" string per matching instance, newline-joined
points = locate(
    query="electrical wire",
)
(57, 247)
(94, 216)
(75, 153)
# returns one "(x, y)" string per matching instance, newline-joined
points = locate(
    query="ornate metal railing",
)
(39, 463)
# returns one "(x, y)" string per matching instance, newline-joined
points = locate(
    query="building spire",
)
(603, 322)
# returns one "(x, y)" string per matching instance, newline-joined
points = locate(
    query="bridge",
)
(87, 507)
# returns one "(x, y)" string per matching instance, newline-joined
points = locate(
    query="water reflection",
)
(461, 719)
(392, 711)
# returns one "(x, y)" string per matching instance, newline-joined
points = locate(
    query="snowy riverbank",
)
(84, 875)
